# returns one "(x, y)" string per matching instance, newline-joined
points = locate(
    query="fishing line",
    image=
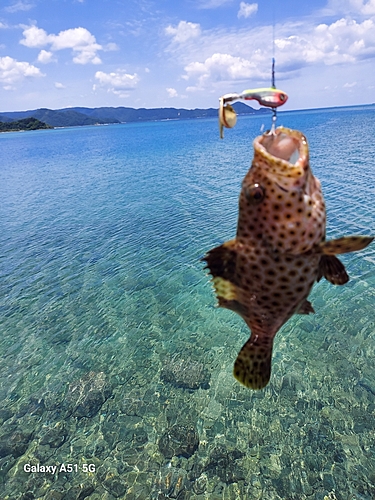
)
(273, 85)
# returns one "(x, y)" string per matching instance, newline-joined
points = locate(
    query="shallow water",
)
(113, 355)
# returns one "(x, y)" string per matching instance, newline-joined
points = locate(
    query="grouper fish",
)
(267, 271)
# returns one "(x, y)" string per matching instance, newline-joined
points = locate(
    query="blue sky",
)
(171, 53)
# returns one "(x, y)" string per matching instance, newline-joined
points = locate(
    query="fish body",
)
(267, 271)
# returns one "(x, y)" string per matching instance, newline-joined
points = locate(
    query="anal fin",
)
(252, 367)
(305, 308)
(333, 270)
(345, 244)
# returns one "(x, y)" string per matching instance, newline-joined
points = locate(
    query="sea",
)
(115, 363)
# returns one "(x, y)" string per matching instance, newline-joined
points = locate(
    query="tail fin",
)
(253, 364)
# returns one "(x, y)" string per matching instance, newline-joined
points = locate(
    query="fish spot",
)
(269, 282)
(292, 272)
(299, 288)
(288, 204)
(276, 217)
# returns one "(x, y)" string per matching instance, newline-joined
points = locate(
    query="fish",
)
(266, 273)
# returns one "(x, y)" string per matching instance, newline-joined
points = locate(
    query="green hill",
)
(72, 117)
(23, 124)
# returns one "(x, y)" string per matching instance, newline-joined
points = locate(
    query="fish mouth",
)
(285, 147)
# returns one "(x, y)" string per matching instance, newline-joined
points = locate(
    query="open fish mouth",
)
(284, 144)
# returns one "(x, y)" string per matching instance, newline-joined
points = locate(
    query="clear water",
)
(112, 353)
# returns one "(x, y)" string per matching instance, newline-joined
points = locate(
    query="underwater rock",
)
(5, 415)
(172, 483)
(14, 442)
(222, 463)
(179, 441)
(185, 373)
(34, 406)
(54, 435)
(86, 396)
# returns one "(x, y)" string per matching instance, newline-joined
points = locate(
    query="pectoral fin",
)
(345, 245)
(333, 270)
(221, 262)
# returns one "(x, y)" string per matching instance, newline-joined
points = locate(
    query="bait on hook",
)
(269, 97)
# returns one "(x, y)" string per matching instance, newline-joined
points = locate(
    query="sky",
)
(184, 53)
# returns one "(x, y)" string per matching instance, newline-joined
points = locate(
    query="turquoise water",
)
(113, 356)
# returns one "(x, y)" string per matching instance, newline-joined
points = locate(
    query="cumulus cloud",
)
(45, 57)
(59, 85)
(19, 6)
(172, 92)
(120, 83)
(361, 7)
(183, 31)
(248, 51)
(80, 40)
(221, 67)
(13, 71)
(247, 9)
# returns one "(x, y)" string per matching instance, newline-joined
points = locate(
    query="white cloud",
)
(13, 71)
(184, 31)
(221, 67)
(45, 57)
(19, 6)
(172, 92)
(59, 85)
(111, 47)
(80, 40)
(120, 83)
(361, 7)
(349, 85)
(247, 9)
(248, 51)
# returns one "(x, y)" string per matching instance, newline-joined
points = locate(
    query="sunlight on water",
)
(112, 352)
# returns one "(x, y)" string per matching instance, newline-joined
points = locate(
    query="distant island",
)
(24, 124)
(73, 117)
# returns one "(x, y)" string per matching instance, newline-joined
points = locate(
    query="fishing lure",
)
(269, 97)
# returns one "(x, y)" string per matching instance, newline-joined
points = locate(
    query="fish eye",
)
(282, 97)
(254, 193)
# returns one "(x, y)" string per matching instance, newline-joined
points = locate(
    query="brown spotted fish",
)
(267, 271)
